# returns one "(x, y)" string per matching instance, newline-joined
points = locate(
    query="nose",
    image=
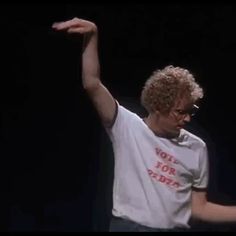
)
(187, 118)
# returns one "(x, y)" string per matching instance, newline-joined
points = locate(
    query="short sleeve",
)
(201, 176)
(123, 120)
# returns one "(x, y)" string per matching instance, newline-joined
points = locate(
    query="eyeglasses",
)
(191, 112)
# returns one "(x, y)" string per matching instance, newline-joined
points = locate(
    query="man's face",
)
(180, 114)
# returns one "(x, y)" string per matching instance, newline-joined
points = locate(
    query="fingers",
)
(62, 25)
(76, 30)
(75, 22)
(75, 25)
(56, 24)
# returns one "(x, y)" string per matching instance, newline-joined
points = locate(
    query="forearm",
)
(212, 212)
(90, 61)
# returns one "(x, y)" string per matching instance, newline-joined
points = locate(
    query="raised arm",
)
(100, 96)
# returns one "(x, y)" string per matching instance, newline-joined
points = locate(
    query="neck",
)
(153, 124)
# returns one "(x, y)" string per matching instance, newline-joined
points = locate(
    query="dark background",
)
(55, 171)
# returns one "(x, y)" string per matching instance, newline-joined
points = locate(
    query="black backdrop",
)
(55, 174)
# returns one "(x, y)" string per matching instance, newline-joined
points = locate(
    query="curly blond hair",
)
(165, 86)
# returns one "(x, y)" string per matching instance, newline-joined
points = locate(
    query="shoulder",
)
(192, 139)
(124, 118)
(124, 112)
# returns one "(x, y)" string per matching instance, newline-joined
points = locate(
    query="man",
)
(161, 169)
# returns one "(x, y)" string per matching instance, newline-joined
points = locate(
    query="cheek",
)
(168, 123)
(171, 123)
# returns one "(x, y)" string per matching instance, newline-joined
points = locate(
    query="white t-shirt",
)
(154, 176)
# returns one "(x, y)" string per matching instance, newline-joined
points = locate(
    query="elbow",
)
(91, 86)
(198, 211)
(197, 214)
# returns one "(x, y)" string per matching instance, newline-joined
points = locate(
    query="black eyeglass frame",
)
(191, 112)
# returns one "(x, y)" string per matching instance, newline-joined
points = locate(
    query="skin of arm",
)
(211, 212)
(102, 99)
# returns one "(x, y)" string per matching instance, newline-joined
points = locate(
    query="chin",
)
(173, 134)
(176, 133)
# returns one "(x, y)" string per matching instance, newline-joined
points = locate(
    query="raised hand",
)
(76, 25)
